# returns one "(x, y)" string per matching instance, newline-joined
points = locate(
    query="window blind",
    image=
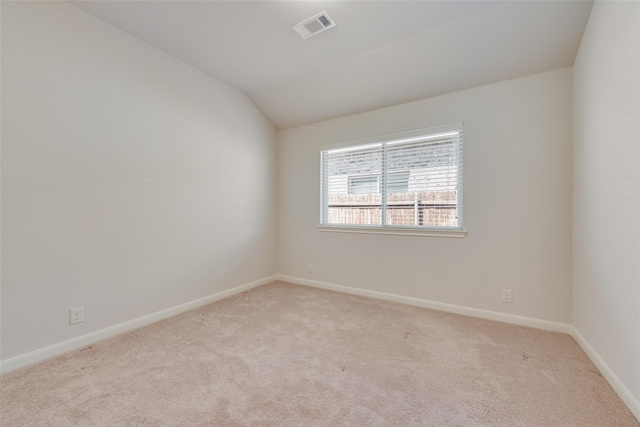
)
(410, 179)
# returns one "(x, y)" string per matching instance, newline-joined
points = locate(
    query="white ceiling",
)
(381, 53)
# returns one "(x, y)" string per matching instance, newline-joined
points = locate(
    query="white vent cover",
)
(315, 25)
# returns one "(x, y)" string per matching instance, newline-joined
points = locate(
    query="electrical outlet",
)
(507, 296)
(76, 315)
(310, 268)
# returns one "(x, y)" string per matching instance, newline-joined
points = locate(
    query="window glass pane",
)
(352, 181)
(430, 197)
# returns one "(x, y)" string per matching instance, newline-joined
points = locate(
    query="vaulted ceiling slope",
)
(380, 53)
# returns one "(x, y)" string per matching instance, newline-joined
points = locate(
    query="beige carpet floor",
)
(288, 355)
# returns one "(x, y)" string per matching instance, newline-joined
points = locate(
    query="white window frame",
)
(382, 141)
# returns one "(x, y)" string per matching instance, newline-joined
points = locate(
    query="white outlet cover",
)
(76, 315)
(507, 296)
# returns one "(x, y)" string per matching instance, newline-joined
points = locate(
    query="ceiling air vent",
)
(315, 25)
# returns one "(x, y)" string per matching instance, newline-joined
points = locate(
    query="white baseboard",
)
(624, 393)
(450, 308)
(91, 338)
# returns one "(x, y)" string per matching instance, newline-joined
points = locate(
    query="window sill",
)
(401, 231)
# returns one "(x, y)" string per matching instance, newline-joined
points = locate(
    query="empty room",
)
(320, 213)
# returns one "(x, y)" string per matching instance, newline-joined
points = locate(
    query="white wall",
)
(606, 201)
(130, 182)
(517, 203)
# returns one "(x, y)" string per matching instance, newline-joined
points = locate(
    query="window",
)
(397, 182)
(364, 184)
(410, 181)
